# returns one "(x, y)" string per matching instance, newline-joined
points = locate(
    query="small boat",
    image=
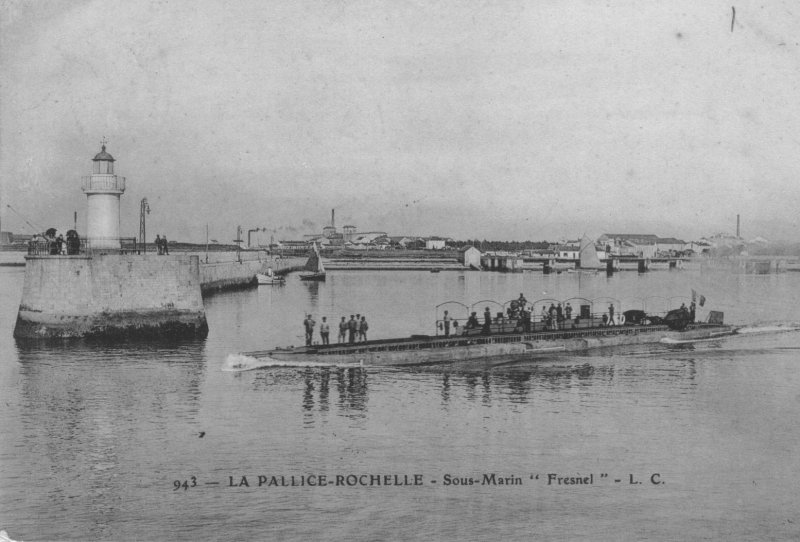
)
(314, 264)
(589, 260)
(270, 278)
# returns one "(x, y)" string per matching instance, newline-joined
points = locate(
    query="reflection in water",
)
(517, 383)
(86, 408)
(313, 293)
(351, 387)
(324, 389)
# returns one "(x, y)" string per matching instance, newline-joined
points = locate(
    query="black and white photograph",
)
(399, 270)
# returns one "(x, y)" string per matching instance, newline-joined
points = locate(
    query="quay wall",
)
(387, 264)
(216, 276)
(111, 296)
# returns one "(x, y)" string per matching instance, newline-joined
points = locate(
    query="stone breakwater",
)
(111, 296)
(216, 276)
(118, 296)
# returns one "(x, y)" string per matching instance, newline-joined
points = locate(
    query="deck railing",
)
(83, 247)
(103, 182)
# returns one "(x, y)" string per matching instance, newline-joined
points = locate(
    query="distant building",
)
(670, 244)
(348, 232)
(368, 240)
(292, 247)
(568, 252)
(401, 241)
(435, 243)
(470, 256)
(641, 245)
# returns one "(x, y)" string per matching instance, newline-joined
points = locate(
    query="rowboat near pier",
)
(497, 341)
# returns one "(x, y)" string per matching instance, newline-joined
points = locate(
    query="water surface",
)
(94, 436)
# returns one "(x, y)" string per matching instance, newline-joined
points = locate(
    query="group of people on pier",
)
(161, 245)
(350, 331)
(55, 245)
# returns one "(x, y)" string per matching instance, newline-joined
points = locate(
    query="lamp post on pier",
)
(144, 208)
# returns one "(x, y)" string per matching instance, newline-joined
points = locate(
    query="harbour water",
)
(151, 441)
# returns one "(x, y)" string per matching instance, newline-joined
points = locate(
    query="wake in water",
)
(241, 362)
(761, 328)
(768, 327)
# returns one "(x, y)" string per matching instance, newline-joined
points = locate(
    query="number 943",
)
(185, 484)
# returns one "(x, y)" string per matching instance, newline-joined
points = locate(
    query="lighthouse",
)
(103, 189)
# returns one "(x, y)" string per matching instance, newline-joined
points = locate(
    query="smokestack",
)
(737, 225)
(333, 221)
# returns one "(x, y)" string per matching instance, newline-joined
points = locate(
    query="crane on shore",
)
(36, 229)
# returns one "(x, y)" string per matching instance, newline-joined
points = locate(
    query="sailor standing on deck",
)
(446, 319)
(351, 329)
(309, 323)
(324, 331)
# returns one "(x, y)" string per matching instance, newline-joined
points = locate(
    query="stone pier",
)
(111, 296)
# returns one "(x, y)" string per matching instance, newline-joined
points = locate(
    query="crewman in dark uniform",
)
(487, 321)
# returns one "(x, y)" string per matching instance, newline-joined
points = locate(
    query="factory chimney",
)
(333, 222)
(737, 226)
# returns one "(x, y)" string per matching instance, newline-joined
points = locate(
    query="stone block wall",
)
(227, 275)
(111, 295)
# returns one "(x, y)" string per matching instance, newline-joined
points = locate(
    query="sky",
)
(490, 120)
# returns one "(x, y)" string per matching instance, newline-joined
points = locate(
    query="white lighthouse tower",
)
(103, 190)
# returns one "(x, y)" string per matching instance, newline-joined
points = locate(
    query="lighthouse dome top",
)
(103, 155)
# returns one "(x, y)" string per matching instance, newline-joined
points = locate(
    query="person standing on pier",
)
(324, 331)
(351, 329)
(309, 323)
(446, 319)
(343, 330)
(487, 321)
(568, 313)
(358, 327)
(559, 316)
(611, 315)
(159, 248)
(164, 244)
(362, 329)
